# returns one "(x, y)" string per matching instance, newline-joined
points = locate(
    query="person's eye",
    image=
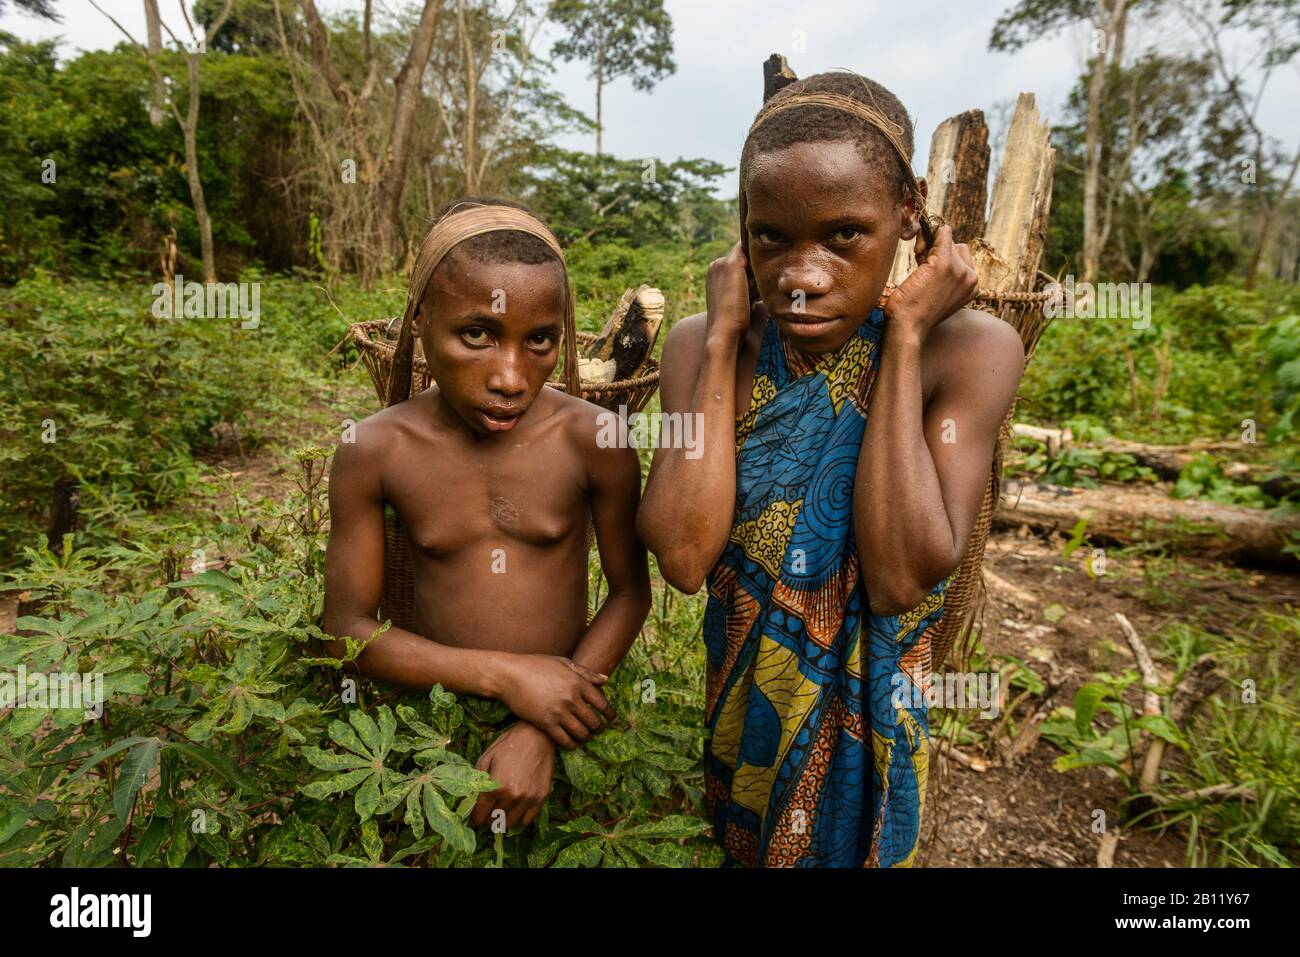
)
(475, 336)
(846, 234)
(542, 341)
(766, 236)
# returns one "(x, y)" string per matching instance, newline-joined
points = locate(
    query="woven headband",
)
(445, 235)
(890, 130)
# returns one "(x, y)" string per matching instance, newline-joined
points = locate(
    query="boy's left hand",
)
(522, 761)
(943, 281)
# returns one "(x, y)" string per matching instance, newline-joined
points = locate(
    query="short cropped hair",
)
(823, 124)
(503, 245)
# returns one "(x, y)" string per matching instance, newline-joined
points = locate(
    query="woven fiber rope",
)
(964, 601)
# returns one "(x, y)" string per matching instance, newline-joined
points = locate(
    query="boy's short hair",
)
(823, 124)
(500, 246)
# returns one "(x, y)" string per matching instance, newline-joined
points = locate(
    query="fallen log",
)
(1123, 516)
(1167, 461)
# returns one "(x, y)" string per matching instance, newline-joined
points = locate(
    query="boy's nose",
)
(507, 377)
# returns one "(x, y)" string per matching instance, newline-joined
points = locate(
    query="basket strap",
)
(572, 385)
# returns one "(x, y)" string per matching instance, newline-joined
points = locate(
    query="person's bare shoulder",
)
(972, 344)
(598, 434)
(683, 355)
(364, 448)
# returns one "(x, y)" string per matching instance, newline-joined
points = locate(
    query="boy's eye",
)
(542, 341)
(846, 234)
(475, 336)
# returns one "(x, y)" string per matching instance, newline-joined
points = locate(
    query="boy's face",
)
(491, 334)
(823, 229)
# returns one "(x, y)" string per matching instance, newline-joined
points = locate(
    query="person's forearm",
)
(689, 503)
(611, 633)
(905, 537)
(404, 658)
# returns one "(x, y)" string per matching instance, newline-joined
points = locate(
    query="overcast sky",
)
(932, 53)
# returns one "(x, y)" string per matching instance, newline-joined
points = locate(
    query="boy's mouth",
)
(499, 420)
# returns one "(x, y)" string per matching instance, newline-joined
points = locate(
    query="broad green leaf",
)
(666, 854)
(151, 840)
(368, 797)
(241, 713)
(12, 819)
(461, 780)
(141, 760)
(367, 729)
(672, 826)
(342, 735)
(112, 749)
(414, 816)
(218, 762)
(583, 771)
(583, 854)
(1085, 758)
(1086, 700)
(454, 831)
(614, 746)
(370, 841)
(582, 825)
(335, 785)
(332, 760)
(267, 708)
(387, 726)
(1162, 727)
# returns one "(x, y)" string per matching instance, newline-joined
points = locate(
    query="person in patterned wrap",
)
(848, 431)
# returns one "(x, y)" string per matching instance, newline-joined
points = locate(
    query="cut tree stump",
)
(776, 75)
(956, 181)
(1022, 195)
(957, 177)
(628, 338)
(1119, 515)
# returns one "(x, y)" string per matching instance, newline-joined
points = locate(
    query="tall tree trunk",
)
(1110, 20)
(407, 86)
(1270, 220)
(153, 26)
(471, 103)
(189, 130)
(600, 87)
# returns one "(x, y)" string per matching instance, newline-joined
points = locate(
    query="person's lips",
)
(803, 324)
(499, 420)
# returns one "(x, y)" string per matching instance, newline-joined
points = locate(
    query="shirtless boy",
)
(494, 478)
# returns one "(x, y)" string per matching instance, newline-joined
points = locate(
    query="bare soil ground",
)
(1029, 814)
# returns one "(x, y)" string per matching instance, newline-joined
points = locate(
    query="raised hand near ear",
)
(943, 281)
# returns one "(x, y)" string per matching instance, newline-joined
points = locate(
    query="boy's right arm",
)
(550, 692)
(686, 511)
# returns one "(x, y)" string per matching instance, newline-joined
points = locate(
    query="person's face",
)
(491, 334)
(823, 229)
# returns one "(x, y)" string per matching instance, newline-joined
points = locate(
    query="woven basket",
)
(964, 600)
(377, 350)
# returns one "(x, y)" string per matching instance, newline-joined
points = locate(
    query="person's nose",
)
(803, 274)
(507, 378)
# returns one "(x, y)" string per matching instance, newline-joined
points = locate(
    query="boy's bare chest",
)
(452, 499)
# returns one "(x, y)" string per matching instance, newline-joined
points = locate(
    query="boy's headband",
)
(446, 234)
(890, 130)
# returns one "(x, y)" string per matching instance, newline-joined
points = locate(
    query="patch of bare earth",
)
(998, 806)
